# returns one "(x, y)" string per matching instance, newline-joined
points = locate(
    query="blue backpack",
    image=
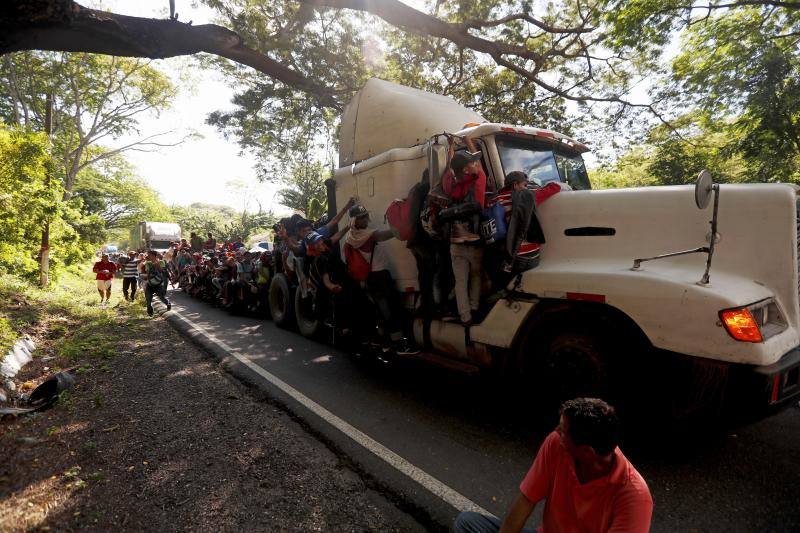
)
(493, 224)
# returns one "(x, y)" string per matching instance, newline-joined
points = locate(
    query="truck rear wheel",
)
(307, 322)
(281, 303)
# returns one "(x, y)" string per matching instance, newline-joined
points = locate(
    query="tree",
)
(96, 99)
(112, 193)
(27, 198)
(224, 222)
(305, 191)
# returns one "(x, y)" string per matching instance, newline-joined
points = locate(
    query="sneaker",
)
(169, 306)
(149, 312)
(404, 347)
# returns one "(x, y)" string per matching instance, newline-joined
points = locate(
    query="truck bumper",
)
(730, 393)
(781, 380)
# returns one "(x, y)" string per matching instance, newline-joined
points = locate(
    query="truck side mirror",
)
(703, 190)
(436, 155)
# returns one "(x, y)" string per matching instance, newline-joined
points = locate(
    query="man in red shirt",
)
(104, 274)
(588, 484)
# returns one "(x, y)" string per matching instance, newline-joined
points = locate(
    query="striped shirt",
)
(131, 268)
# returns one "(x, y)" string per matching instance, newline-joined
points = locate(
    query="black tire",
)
(563, 363)
(575, 364)
(281, 303)
(308, 324)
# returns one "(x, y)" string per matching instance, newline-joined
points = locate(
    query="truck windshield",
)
(541, 163)
(159, 245)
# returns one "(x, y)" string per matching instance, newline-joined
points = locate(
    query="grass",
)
(66, 319)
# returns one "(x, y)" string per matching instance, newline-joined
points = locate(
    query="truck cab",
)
(585, 321)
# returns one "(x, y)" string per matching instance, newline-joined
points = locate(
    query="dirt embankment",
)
(156, 437)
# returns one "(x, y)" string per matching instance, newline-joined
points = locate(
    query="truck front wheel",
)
(566, 363)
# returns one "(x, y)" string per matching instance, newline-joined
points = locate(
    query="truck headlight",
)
(755, 322)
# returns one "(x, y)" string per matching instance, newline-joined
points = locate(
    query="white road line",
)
(449, 495)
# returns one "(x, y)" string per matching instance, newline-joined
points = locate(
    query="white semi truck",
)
(603, 313)
(155, 235)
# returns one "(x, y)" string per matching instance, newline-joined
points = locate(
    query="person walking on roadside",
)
(587, 483)
(130, 275)
(104, 274)
(156, 285)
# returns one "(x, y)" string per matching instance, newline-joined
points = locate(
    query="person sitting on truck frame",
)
(379, 285)
(465, 183)
(196, 242)
(211, 243)
(587, 483)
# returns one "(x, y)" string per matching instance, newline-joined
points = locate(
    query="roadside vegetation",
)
(65, 321)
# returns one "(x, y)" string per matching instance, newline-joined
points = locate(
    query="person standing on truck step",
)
(587, 483)
(156, 285)
(379, 284)
(104, 274)
(130, 275)
(465, 183)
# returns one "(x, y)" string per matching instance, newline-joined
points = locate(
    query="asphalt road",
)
(469, 433)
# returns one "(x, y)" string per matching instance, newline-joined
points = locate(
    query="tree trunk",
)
(44, 250)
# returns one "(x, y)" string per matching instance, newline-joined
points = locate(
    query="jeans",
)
(470, 522)
(129, 283)
(467, 268)
(381, 290)
(150, 291)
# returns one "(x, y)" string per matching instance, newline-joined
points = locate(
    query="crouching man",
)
(587, 482)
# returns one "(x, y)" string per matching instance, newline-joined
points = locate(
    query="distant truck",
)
(609, 311)
(155, 235)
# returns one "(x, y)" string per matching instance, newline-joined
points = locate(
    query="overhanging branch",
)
(64, 25)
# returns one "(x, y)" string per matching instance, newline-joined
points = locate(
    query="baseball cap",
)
(312, 238)
(463, 158)
(358, 211)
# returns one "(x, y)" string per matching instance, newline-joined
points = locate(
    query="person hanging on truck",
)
(368, 264)
(104, 274)
(522, 243)
(336, 293)
(586, 482)
(465, 184)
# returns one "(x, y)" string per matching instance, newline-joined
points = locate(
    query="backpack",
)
(493, 224)
(155, 277)
(434, 202)
(358, 268)
(398, 215)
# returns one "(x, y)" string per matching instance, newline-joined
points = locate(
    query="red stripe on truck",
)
(587, 297)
